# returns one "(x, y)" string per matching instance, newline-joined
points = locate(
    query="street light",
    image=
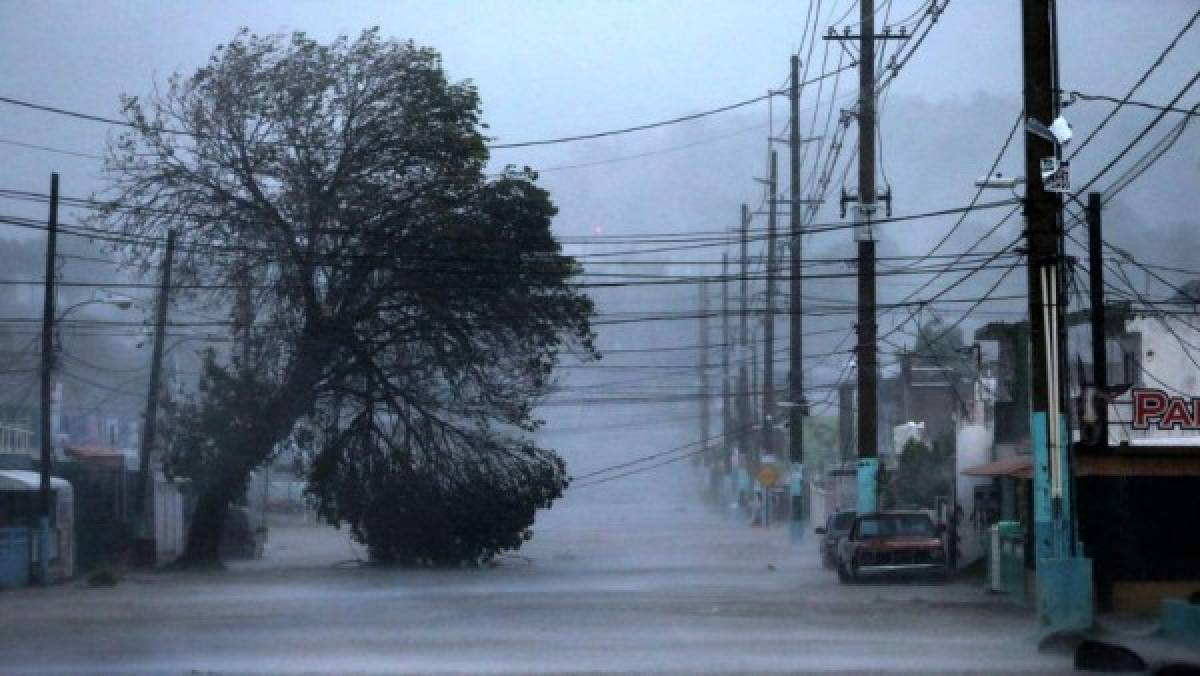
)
(999, 180)
(124, 303)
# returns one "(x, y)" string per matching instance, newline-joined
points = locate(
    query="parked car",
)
(836, 527)
(899, 542)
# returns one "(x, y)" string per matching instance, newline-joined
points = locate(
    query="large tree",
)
(408, 305)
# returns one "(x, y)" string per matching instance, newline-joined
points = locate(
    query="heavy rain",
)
(512, 337)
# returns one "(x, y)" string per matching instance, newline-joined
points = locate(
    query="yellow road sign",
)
(768, 475)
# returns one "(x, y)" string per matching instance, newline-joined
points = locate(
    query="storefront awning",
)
(1016, 466)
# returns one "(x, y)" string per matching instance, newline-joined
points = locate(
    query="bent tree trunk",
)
(246, 426)
(208, 522)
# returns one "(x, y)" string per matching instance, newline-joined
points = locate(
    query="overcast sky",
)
(544, 68)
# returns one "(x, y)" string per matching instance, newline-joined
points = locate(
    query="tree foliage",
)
(408, 305)
(938, 343)
(923, 473)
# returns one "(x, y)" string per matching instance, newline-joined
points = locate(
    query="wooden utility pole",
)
(1098, 319)
(726, 337)
(745, 434)
(868, 436)
(768, 392)
(796, 411)
(705, 394)
(1064, 586)
(45, 499)
(1043, 211)
(147, 546)
(755, 407)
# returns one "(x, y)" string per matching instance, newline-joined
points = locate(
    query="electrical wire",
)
(1142, 134)
(1141, 80)
(494, 146)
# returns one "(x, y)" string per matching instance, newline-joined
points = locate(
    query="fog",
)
(547, 70)
(647, 213)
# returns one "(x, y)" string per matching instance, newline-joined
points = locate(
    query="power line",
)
(643, 127)
(979, 192)
(713, 238)
(1150, 157)
(1142, 134)
(653, 456)
(50, 149)
(962, 279)
(494, 146)
(1126, 102)
(1129, 95)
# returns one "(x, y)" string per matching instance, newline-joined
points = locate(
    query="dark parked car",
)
(900, 542)
(836, 527)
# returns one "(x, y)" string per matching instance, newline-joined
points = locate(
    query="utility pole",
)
(705, 409)
(755, 408)
(726, 337)
(1099, 321)
(768, 392)
(46, 467)
(767, 412)
(147, 554)
(745, 435)
(796, 411)
(1064, 586)
(868, 437)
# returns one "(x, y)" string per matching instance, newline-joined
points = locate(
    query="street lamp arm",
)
(122, 304)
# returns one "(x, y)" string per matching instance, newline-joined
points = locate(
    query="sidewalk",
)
(1144, 635)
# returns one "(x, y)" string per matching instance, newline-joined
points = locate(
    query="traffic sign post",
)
(768, 476)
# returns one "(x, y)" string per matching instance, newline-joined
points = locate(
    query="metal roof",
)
(25, 480)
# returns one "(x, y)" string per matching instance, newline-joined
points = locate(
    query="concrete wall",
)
(169, 528)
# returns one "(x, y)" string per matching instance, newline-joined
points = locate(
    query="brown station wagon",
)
(899, 542)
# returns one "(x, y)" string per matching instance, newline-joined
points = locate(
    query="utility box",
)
(1006, 559)
(14, 557)
(1011, 538)
(994, 580)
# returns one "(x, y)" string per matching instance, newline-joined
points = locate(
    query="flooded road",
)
(608, 585)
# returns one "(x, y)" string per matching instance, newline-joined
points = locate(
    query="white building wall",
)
(974, 444)
(1165, 365)
(168, 520)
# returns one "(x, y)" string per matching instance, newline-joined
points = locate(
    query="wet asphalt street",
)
(603, 588)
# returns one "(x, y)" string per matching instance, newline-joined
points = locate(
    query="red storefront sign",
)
(1155, 409)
